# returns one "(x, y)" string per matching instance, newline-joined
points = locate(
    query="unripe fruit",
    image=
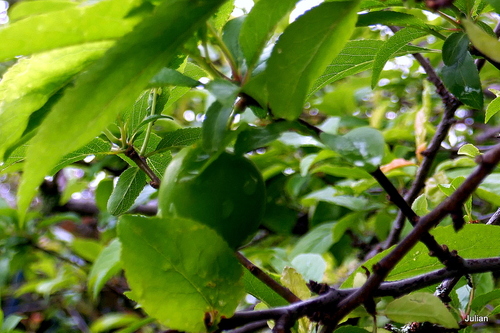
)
(227, 193)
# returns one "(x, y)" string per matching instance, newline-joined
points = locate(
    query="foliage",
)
(371, 124)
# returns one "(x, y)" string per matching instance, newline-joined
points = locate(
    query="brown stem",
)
(143, 165)
(270, 282)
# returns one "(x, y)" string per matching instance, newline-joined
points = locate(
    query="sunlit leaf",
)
(391, 47)
(302, 53)
(113, 83)
(184, 283)
(420, 307)
(29, 84)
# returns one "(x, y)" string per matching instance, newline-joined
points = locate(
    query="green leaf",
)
(495, 4)
(420, 307)
(88, 249)
(30, 8)
(150, 119)
(261, 291)
(302, 53)
(318, 240)
(258, 137)
(351, 329)
(310, 265)
(340, 171)
(112, 321)
(14, 160)
(258, 26)
(356, 57)
(460, 75)
(295, 282)
(175, 276)
(168, 76)
(10, 323)
(102, 194)
(113, 82)
(472, 242)
(222, 15)
(105, 266)
(29, 84)
(391, 47)
(179, 138)
(391, 18)
(158, 163)
(484, 42)
(363, 147)
(216, 126)
(469, 150)
(95, 147)
(492, 109)
(135, 113)
(191, 70)
(72, 26)
(129, 186)
(420, 206)
(224, 91)
(230, 34)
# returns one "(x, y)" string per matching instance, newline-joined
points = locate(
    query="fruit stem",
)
(150, 125)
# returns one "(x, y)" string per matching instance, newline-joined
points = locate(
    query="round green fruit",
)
(225, 192)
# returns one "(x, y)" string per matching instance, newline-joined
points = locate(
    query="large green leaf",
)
(484, 42)
(472, 242)
(302, 53)
(29, 84)
(356, 57)
(258, 26)
(460, 74)
(420, 307)
(363, 147)
(391, 47)
(24, 9)
(175, 276)
(72, 26)
(106, 265)
(110, 86)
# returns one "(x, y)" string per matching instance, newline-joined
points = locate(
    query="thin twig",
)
(451, 105)
(270, 282)
(437, 250)
(143, 165)
(495, 218)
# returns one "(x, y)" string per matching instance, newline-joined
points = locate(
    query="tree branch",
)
(328, 303)
(143, 165)
(437, 250)
(488, 161)
(270, 282)
(451, 104)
